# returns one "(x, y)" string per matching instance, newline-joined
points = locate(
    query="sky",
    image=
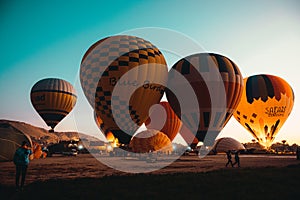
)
(42, 39)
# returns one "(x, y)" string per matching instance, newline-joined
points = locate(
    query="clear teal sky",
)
(48, 39)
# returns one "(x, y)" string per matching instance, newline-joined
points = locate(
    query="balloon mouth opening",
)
(51, 131)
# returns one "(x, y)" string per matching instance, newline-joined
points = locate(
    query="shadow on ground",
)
(246, 183)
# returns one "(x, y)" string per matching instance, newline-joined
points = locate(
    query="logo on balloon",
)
(275, 111)
(146, 84)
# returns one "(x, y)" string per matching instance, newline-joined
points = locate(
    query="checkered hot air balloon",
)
(127, 63)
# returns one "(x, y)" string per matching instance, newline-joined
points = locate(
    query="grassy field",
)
(246, 183)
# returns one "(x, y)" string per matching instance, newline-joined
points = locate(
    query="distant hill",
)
(42, 135)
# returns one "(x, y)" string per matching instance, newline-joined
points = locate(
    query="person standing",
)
(21, 160)
(228, 154)
(236, 158)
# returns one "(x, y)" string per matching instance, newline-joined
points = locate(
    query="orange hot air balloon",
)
(266, 103)
(188, 137)
(126, 63)
(149, 141)
(37, 150)
(53, 99)
(172, 122)
(200, 70)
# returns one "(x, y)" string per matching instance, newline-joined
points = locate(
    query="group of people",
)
(236, 158)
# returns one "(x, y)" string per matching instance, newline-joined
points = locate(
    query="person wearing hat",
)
(21, 160)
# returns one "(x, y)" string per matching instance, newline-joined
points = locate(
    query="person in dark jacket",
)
(236, 158)
(228, 154)
(21, 160)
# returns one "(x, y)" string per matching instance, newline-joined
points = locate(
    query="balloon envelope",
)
(37, 150)
(134, 66)
(227, 144)
(266, 103)
(150, 141)
(170, 125)
(10, 140)
(53, 99)
(217, 84)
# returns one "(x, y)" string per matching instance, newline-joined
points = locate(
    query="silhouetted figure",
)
(298, 153)
(228, 153)
(21, 160)
(236, 158)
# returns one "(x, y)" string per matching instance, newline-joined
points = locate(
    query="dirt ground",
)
(87, 166)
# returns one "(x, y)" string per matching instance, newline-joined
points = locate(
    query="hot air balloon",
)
(170, 125)
(225, 144)
(122, 77)
(266, 103)
(217, 84)
(53, 99)
(37, 150)
(150, 141)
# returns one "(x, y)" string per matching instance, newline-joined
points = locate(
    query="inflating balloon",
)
(266, 103)
(150, 141)
(171, 123)
(126, 63)
(217, 97)
(222, 145)
(10, 140)
(53, 99)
